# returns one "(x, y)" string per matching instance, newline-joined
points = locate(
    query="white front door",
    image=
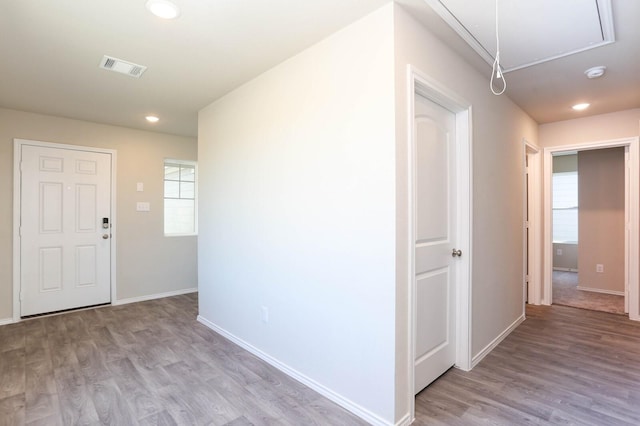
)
(65, 250)
(435, 238)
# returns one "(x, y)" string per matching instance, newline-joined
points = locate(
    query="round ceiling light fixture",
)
(581, 107)
(152, 119)
(163, 9)
(595, 72)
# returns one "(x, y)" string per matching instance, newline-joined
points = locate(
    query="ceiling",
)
(530, 29)
(51, 51)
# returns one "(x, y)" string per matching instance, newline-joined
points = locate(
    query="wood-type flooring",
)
(562, 366)
(151, 363)
(148, 363)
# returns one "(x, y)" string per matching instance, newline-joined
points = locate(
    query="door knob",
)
(457, 253)
(105, 236)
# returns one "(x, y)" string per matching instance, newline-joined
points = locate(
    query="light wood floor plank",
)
(149, 363)
(12, 410)
(12, 372)
(561, 366)
(152, 363)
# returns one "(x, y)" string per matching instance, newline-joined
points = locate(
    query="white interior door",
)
(65, 251)
(435, 239)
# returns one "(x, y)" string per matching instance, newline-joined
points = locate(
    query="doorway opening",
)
(64, 233)
(458, 296)
(592, 226)
(588, 215)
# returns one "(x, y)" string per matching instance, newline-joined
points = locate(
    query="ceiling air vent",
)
(123, 67)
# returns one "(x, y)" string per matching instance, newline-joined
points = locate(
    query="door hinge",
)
(526, 278)
(526, 224)
(21, 296)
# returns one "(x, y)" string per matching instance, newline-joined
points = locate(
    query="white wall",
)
(497, 131)
(303, 205)
(297, 214)
(148, 263)
(616, 125)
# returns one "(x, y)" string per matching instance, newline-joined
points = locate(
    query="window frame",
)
(175, 162)
(575, 208)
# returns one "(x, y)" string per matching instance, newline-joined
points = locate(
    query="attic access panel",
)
(531, 31)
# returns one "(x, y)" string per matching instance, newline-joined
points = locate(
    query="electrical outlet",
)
(264, 314)
(599, 267)
(559, 252)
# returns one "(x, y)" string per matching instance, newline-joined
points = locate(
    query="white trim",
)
(155, 296)
(606, 24)
(17, 190)
(406, 420)
(17, 151)
(632, 249)
(601, 290)
(349, 405)
(558, 268)
(433, 90)
(531, 151)
(6, 321)
(193, 163)
(627, 221)
(495, 342)
(119, 302)
(632, 198)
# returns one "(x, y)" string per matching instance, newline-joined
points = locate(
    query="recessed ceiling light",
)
(163, 9)
(152, 118)
(595, 72)
(580, 107)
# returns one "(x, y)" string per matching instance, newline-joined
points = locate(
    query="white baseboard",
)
(600, 290)
(495, 342)
(6, 321)
(347, 404)
(405, 420)
(557, 268)
(154, 296)
(126, 301)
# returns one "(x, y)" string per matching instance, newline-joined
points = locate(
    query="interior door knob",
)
(105, 236)
(457, 253)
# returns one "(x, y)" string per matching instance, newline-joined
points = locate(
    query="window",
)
(180, 215)
(565, 207)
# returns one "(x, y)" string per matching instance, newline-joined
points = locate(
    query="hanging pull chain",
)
(496, 72)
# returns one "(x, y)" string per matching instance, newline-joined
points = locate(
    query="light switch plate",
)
(143, 206)
(139, 186)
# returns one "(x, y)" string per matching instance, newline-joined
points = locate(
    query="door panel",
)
(50, 269)
(64, 259)
(433, 286)
(431, 183)
(85, 266)
(86, 202)
(434, 220)
(50, 207)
